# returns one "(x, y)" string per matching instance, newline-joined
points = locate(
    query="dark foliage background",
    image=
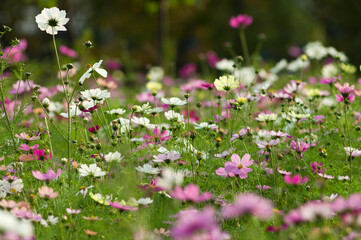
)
(188, 27)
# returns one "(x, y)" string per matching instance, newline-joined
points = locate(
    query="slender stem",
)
(48, 130)
(244, 46)
(5, 110)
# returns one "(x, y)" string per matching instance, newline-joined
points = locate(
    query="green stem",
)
(244, 46)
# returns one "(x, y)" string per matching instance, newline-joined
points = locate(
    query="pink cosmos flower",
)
(198, 225)
(122, 207)
(49, 175)
(329, 81)
(293, 87)
(190, 193)
(15, 54)
(249, 203)
(159, 136)
(26, 213)
(25, 136)
(47, 192)
(22, 86)
(223, 173)
(212, 58)
(188, 70)
(68, 51)
(352, 152)
(346, 92)
(299, 147)
(27, 148)
(241, 133)
(240, 21)
(167, 158)
(73, 211)
(268, 145)
(295, 180)
(152, 187)
(238, 166)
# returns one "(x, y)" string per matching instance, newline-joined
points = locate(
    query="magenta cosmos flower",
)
(249, 203)
(190, 193)
(49, 175)
(295, 180)
(40, 155)
(239, 166)
(240, 21)
(28, 148)
(299, 147)
(346, 92)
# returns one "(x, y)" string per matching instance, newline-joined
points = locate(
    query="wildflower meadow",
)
(229, 147)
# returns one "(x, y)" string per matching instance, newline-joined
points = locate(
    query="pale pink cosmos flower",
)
(46, 192)
(268, 145)
(299, 147)
(167, 158)
(25, 136)
(263, 187)
(223, 173)
(238, 166)
(190, 193)
(249, 203)
(49, 175)
(68, 51)
(293, 87)
(352, 152)
(295, 180)
(73, 211)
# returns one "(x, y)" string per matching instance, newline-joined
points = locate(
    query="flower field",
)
(241, 148)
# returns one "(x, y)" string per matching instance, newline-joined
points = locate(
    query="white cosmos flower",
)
(279, 66)
(155, 74)
(205, 125)
(173, 101)
(315, 50)
(118, 111)
(146, 168)
(91, 170)
(74, 111)
(144, 201)
(225, 65)
(226, 83)
(113, 156)
(170, 178)
(96, 67)
(174, 116)
(14, 186)
(51, 221)
(52, 20)
(298, 64)
(97, 95)
(11, 224)
(246, 75)
(266, 117)
(141, 121)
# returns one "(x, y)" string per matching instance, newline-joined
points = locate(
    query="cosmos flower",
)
(249, 203)
(113, 156)
(226, 83)
(52, 20)
(239, 166)
(146, 168)
(173, 101)
(95, 68)
(49, 175)
(46, 192)
(295, 180)
(190, 193)
(241, 20)
(92, 170)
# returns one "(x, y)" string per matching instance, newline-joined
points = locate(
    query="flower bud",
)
(46, 102)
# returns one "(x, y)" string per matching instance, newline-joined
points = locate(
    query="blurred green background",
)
(177, 31)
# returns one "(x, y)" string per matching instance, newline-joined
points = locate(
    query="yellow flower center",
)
(13, 190)
(240, 166)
